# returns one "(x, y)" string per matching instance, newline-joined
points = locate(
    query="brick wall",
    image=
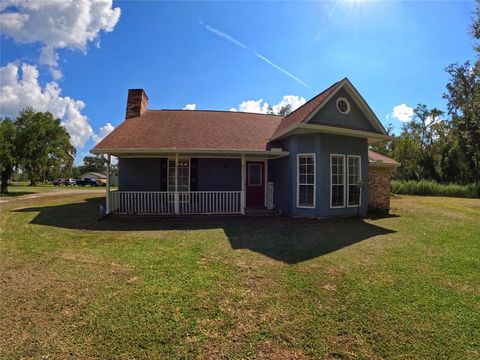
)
(379, 188)
(137, 103)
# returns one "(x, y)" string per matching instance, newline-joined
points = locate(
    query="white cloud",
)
(259, 106)
(190, 107)
(49, 57)
(231, 39)
(104, 131)
(293, 100)
(57, 24)
(403, 113)
(20, 91)
(254, 106)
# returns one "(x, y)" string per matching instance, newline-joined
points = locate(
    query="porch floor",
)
(259, 211)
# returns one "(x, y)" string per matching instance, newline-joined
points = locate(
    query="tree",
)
(384, 148)
(424, 124)
(8, 155)
(283, 111)
(93, 164)
(43, 145)
(464, 106)
(464, 103)
(406, 150)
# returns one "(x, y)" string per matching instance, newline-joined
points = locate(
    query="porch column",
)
(107, 195)
(177, 202)
(242, 200)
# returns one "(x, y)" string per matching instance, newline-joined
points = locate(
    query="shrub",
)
(432, 188)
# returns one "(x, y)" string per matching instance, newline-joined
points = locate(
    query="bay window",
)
(337, 181)
(354, 176)
(306, 180)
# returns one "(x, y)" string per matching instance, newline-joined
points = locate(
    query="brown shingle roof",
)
(203, 129)
(193, 129)
(303, 111)
(375, 157)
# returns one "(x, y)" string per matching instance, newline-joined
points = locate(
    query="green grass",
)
(20, 189)
(432, 188)
(399, 287)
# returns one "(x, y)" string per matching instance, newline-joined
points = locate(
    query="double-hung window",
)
(306, 180)
(183, 175)
(183, 178)
(337, 181)
(354, 176)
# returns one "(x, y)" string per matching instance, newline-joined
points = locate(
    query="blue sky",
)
(205, 54)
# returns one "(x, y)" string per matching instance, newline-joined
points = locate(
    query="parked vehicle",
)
(59, 182)
(70, 182)
(102, 182)
(86, 182)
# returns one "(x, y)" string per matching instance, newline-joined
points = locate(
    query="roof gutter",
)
(168, 151)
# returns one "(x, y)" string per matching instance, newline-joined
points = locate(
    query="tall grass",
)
(432, 188)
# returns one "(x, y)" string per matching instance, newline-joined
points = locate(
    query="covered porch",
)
(198, 182)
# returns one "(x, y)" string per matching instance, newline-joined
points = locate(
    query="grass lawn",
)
(19, 189)
(399, 287)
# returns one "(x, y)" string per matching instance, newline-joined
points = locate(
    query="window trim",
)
(314, 181)
(348, 178)
(344, 181)
(261, 174)
(348, 105)
(189, 172)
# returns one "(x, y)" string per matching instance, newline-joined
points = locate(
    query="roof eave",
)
(374, 138)
(171, 151)
(379, 163)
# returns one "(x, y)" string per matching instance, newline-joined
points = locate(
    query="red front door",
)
(255, 185)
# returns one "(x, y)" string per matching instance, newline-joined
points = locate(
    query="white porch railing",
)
(181, 202)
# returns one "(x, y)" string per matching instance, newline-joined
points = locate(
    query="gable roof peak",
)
(305, 112)
(297, 116)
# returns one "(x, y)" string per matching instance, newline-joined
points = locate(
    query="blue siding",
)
(279, 173)
(225, 174)
(145, 174)
(219, 175)
(285, 173)
(329, 114)
(139, 174)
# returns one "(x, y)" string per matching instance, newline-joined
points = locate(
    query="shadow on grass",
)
(281, 238)
(16, 193)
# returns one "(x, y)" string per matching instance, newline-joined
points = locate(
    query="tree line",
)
(36, 147)
(35, 143)
(439, 146)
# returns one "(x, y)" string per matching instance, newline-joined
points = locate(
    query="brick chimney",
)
(137, 103)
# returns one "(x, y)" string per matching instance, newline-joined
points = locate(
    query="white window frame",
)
(348, 180)
(189, 172)
(348, 105)
(344, 181)
(314, 181)
(261, 174)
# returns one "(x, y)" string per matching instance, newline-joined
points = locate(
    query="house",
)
(314, 162)
(92, 175)
(102, 177)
